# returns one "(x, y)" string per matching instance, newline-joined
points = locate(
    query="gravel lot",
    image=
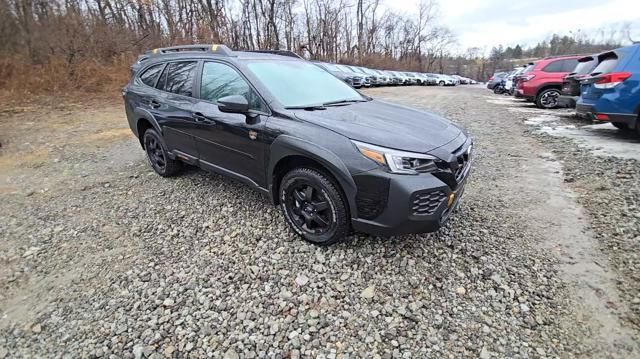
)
(100, 257)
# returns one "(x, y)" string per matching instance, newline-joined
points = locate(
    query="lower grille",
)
(372, 196)
(426, 203)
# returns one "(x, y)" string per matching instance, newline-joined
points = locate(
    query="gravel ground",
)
(100, 257)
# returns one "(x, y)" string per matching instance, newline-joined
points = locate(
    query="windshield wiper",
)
(340, 102)
(306, 107)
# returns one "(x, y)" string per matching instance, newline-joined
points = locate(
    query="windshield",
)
(288, 82)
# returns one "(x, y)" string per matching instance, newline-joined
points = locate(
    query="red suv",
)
(542, 82)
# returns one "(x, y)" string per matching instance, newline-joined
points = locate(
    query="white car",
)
(445, 80)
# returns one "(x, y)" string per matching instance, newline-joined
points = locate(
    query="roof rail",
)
(278, 52)
(568, 55)
(212, 48)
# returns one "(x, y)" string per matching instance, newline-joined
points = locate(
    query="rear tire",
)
(158, 155)
(621, 126)
(441, 83)
(313, 206)
(548, 98)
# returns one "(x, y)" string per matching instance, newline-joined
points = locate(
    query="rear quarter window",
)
(569, 65)
(555, 66)
(150, 75)
(607, 65)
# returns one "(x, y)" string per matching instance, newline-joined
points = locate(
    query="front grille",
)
(426, 203)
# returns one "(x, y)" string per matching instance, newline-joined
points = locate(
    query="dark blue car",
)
(612, 91)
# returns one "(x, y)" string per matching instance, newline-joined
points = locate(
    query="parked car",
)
(383, 78)
(332, 159)
(366, 82)
(543, 82)
(444, 80)
(516, 79)
(611, 92)
(393, 78)
(495, 79)
(432, 79)
(461, 80)
(404, 79)
(571, 83)
(370, 75)
(413, 79)
(352, 79)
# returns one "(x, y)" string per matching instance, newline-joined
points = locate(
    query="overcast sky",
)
(487, 23)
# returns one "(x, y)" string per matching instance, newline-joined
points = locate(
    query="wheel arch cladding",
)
(288, 150)
(144, 121)
(549, 86)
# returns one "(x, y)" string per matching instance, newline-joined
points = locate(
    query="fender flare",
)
(285, 145)
(140, 114)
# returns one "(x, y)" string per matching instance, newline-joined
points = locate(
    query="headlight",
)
(398, 161)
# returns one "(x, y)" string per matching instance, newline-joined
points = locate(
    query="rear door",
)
(175, 106)
(230, 142)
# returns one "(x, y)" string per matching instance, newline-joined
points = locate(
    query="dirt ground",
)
(100, 257)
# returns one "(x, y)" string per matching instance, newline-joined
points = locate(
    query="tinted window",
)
(555, 66)
(607, 65)
(178, 78)
(299, 83)
(220, 80)
(569, 65)
(150, 76)
(585, 67)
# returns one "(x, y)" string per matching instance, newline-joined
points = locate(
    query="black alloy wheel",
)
(313, 206)
(158, 155)
(548, 99)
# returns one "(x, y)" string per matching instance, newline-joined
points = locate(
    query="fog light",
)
(452, 196)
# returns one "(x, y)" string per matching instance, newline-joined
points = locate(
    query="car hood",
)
(385, 124)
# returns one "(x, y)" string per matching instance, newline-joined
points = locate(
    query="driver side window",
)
(220, 80)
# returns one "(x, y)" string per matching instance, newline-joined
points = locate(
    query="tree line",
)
(79, 42)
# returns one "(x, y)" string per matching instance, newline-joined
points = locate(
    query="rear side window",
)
(556, 66)
(220, 80)
(569, 65)
(150, 76)
(607, 64)
(178, 78)
(585, 66)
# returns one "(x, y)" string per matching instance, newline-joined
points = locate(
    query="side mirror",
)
(233, 104)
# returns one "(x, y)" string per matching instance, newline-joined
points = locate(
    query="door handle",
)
(200, 118)
(154, 104)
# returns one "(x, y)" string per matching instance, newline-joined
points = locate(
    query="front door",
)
(230, 142)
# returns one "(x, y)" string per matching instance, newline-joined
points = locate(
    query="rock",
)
(36, 328)
(137, 351)
(368, 292)
(484, 353)
(461, 291)
(231, 354)
(168, 302)
(301, 280)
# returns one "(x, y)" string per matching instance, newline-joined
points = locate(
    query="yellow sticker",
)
(214, 47)
(155, 51)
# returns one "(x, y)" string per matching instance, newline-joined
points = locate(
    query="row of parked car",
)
(358, 76)
(601, 87)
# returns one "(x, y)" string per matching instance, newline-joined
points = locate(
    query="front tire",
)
(548, 99)
(313, 206)
(158, 155)
(441, 83)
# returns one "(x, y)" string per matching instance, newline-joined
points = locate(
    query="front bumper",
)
(391, 204)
